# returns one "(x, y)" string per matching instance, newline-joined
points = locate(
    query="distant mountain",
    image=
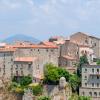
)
(20, 37)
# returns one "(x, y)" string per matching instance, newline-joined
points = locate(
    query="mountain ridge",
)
(20, 37)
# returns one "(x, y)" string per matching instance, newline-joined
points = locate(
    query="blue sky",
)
(44, 18)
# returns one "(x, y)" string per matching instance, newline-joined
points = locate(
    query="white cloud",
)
(50, 15)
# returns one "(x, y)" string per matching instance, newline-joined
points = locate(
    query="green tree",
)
(23, 81)
(98, 62)
(44, 98)
(83, 60)
(74, 81)
(83, 98)
(53, 73)
(37, 90)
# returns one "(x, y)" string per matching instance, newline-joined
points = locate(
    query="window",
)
(95, 93)
(31, 49)
(21, 72)
(97, 77)
(16, 67)
(37, 67)
(38, 50)
(85, 70)
(17, 73)
(90, 93)
(94, 44)
(97, 84)
(29, 66)
(92, 84)
(47, 50)
(85, 77)
(85, 84)
(93, 70)
(51, 50)
(97, 70)
(83, 93)
(99, 93)
(92, 77)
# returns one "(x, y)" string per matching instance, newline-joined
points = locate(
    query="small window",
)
(85, 77)
(51, 50)
(31, 49)
(93, 70)
(97, 77)
(85, 70)
(94, 44)
(85, 84)
(97, 70)
(47, 50)
(95, 93)
(99, 93)
(21, 72)
(97, 84)
(92, 77)
(90, 93)
(29, 66)
(92, 84)
(37, 67)
(17, 73)
(83, 93)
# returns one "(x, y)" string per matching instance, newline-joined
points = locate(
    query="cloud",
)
(41, 17)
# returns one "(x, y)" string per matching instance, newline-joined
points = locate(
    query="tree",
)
(98, 62)
(83, 60)
(53, 73)
(23, 81)
(44, 98)
(83, 98)
(74, 81)
(37, 90)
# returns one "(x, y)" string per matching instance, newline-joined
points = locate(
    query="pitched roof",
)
(25, 59)
(69, 57)
(47, 43)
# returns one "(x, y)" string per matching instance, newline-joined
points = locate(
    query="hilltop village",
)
(28, 59)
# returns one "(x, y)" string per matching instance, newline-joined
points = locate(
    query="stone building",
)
(69, 55)
(87, 40)
(95, 44)
(26, 59)
(90, 81)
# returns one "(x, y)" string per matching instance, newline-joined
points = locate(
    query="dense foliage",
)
(83, 98)
(37, 90)
(23, 81)
(74, 82)
(44, 98)
(53, 74)
(98, 62)
(76, 97)
(83, 60)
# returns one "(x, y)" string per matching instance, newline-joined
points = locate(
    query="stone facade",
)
(87, 40)
(90, 81)
(23, 59)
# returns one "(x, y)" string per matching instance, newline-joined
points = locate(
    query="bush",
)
(83, 98)
(23, 81)
(52, 74)
(37, 90)
(44, 98)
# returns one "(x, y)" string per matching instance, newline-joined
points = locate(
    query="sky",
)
(45, 18)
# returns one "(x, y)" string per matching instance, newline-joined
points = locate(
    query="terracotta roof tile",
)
(25, 59)
(69, 57)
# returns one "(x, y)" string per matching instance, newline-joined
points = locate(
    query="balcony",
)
(95, 73)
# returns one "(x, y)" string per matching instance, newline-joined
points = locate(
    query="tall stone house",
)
(26, 59)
